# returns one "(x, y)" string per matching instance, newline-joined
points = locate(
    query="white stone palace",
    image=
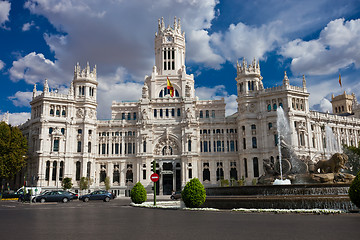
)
(188, 138)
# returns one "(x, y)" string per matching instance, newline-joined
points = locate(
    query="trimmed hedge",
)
(354, 191)
(138, 193)
(194, 194)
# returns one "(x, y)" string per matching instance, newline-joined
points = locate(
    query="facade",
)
(187, 137)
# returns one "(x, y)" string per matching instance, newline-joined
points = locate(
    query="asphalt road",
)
(118, 220)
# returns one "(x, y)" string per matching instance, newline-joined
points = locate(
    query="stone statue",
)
(333, 165)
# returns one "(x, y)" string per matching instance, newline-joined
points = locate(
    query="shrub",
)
(66, 183)
(194, 194)
(224, 183)
(138, 193)
(354, 191)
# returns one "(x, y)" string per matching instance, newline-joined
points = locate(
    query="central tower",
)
(169, 48)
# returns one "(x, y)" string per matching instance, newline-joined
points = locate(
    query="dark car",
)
(74, 195)
(175, 195)
(97, 195)
(54, 196)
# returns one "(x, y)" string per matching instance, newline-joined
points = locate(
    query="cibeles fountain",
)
(291, 182)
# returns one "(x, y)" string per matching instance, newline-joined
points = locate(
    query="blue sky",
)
(45, 39)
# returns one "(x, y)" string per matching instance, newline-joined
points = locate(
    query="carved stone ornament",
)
(80, 113)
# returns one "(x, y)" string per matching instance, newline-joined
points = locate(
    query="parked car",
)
(175, 195)
(55, 196)
(74, 195)
(97, 195)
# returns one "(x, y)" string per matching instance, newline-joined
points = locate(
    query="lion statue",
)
(333, 165)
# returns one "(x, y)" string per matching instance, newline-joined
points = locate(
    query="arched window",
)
(281, 105)
(274, 106)
(54, 171)
(51, 112)
(167, 150)
(61, 171)
(201, 114)
(256, 166)
(233, 174)
(58, 113)
(63, 113)
(207, 113)
(269, 107)
(78, 165)
(47, 171)
(50, 130)
(88, 169)
(116, 174)
(254, 142)
(79, 146)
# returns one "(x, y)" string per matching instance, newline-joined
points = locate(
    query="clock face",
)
(169, 38)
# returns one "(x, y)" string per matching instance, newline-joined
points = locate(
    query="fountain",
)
(283, 130)
(301, 188)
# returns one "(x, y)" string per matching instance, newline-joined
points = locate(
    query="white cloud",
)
(2, 65)
(325, 105)
(21, 99)
(337, 47)
(16, 119)
(244, 41)
(34, 68)
(27, 26)
(218, 92)
(5, 7)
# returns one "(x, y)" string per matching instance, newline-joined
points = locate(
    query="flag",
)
(340, 80)
(170, 87)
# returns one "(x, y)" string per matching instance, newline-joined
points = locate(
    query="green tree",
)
(194, 194)
(84, 183)
(13, 150)
(107, 183)
(353, 163)
(67, 183)
(138, 193)
(354, 191)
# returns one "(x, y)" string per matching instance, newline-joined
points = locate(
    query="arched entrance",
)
(168, 160)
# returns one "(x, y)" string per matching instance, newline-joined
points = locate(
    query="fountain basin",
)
(297, 196)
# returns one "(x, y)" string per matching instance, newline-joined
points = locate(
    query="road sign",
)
(154, 177)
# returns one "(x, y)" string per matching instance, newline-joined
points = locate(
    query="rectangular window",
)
(89, 147)
(213, 113)
(123, 116)
(116, 148)
(155, 113)
(56, 145)
(178, 112)
(244, 143)
(144, 174)
(134, 115)
(173, 112)
(161, 113)
(190, 173)
(167, 112)
(232, 146)
(103, 148)
(79, 146)
(144, 146)
(189, 145)
(218, 145)
(205, 146)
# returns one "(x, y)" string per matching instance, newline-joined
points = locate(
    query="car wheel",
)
(65, 200)
(86, 199)
(106, 199)
(34, 200)
(172, 198)
(42, 200)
